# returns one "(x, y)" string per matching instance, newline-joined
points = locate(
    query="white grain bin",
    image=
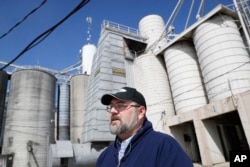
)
(184, 76)
(153, 28)
(28, 120)
(223, 58)
(63, 112)
(152, 81)
(78, 91)
(87, 52)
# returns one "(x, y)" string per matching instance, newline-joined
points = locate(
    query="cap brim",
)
(106, 99)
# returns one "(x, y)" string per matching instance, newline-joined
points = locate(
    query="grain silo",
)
(223, 58)
(151, 80)
(184, 76)
(3, 91)
(87, 52)
(151, 77)
(28, 120)
(63, 112)
(153, 29)
(78, 91)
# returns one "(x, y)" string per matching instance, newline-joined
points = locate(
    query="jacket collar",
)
(146, 127)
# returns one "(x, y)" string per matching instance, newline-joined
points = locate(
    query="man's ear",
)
(141, 112)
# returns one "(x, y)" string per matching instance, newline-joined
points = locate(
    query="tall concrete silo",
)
(151, 77)
(28, 119)
(63, 112)
(3, 91)
(152, 81)
(185, 76)
(78, 91)
(152, 27)
(223, 58)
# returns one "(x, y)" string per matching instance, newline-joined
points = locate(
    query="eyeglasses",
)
(120, 107)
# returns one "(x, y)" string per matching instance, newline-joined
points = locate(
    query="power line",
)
(24, 18)
(46, 33)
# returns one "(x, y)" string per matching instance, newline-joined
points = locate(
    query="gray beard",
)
(124, 127)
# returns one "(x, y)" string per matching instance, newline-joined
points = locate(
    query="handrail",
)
(113, 25)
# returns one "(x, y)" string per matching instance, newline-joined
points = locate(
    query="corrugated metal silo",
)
(184, 76)
(78, 91)
(3, 89)
(28, 122)
(223, 58)
(64, 114)
(152, 27)
(88, 52)
(152, 81)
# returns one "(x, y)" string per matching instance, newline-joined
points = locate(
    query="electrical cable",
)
(46, 33)
(24, 18)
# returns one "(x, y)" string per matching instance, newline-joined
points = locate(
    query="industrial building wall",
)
(108, 75)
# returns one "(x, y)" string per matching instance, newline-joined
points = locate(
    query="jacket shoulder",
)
(107, 153)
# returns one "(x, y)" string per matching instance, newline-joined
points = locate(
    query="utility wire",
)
(45, 34)
(24, 18)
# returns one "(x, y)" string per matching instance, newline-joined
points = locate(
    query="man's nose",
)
(113, 110)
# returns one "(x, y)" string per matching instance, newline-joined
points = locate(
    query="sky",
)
(61, 48)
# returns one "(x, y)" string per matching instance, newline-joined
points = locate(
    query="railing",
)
(112, 25)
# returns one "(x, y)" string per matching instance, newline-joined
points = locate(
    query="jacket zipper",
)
(119, 162)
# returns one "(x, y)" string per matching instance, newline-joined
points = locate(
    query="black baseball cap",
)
(125, 93)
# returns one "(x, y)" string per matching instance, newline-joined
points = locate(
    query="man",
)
(136, 143)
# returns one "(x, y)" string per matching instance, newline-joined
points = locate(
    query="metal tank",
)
(223, 58)
(87, 52)
(152, 81)
(153, 28)
(28, 120)
(3, 91)
(63, 112)
(184, 76)
(78, 91)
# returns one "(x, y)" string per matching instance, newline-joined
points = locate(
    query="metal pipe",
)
(198, 13)
(242, 23)
(189, 13)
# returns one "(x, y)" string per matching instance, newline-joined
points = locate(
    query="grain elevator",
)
(196, 85)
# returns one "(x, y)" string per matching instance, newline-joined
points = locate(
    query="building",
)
(196, 84)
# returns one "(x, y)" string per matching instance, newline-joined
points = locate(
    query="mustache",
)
(115, 117)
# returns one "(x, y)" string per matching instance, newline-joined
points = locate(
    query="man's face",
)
(123, 116)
